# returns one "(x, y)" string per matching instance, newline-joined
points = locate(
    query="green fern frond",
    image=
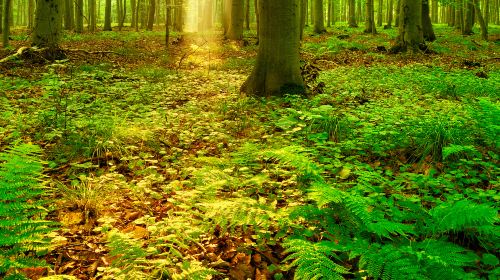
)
(462, 215)
(232, 213)
(390, 262)
(22, 231)
(313, 260)
(194, 270)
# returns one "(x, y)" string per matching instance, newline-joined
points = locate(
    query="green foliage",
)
(23, 229)
(487, 116)
(313, 260)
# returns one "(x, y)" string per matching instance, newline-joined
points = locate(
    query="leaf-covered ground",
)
(158, 166)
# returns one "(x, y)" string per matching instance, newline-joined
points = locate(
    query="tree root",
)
(34, 55)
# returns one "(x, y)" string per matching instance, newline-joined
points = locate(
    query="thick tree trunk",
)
(107, 16)
(370, 18)
(92, 12)
(319, 17)
(247, 14)
(426, 22)
(48, 23)
(352, 14)
(236, 19)
(277, 69)
(133, 7)
(151, 15)
(410, 26)
(31, 13)
(480, 19)
(398, 13)
(459, 16)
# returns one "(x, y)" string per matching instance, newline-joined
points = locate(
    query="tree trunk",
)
(480, 19)
(380, 15)
(179, 17)
(79, 16)
(428, 31)
(370, 17)
(390, 12)
(6, 22)
(48, 23)
(92, 15)
(107, 16)
(319, 17)
(398, 13)
(469, 18)
(277, 69)
(151, 15)
(459, 17)
(1, 16)
(236, 19)
(247, 15)
(31, 13)
(168, 22)
(133, 7)
(352, 14)
(303, 17)
(410, 26)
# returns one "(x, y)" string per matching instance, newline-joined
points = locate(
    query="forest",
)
(249, 139)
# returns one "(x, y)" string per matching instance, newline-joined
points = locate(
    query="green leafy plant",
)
(23, 229)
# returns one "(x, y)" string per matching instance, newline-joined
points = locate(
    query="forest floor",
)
(159, 167)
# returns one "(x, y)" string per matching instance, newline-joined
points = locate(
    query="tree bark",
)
(1, 16)
(370, 18)
(410, 27)
(151, 15)
(236, 19)
(6, 22)
(352, 14)
(48, 23)
(398, 13)
(390, 12)
(319, 17)
(469, 18)
(428, 31)
(380, 15)
(480, 19)
(107, 16)
(79, 16)
(277, 69)
(303, 17)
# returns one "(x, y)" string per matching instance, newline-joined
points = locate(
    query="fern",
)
(462, 215)
(313, 260)
(488, 118)
(195, 271)
(22, 229)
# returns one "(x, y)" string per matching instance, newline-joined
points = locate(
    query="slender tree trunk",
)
(329, 14)
(1, 16)
(380, 15)
(398, 13)
(469, 18)
(151, 16)
(168, 22)
(133, 8)
(277, 69)
(79, 16)
(459, 24)
(107, 16)
(370, 18)
(480, 19)
(486, 13)
(6, 22)
(235, 30)
(92, 15)
(247, 14)
(319, 17)
(303, 17)
(390, 12)
(179, 17)
(352, 14)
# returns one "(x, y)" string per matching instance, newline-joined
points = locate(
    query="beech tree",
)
(79, 16)
(370, 18)
(47, 30)
(235, 16)
(6, 22)
(277, 68)
(410, 26)
(427, 30)
(352, 14)
(319, 18)
(107, 16)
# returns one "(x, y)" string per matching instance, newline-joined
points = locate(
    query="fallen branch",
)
(22, 51)
(91, 52)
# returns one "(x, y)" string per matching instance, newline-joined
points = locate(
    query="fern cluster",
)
(22, 208)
